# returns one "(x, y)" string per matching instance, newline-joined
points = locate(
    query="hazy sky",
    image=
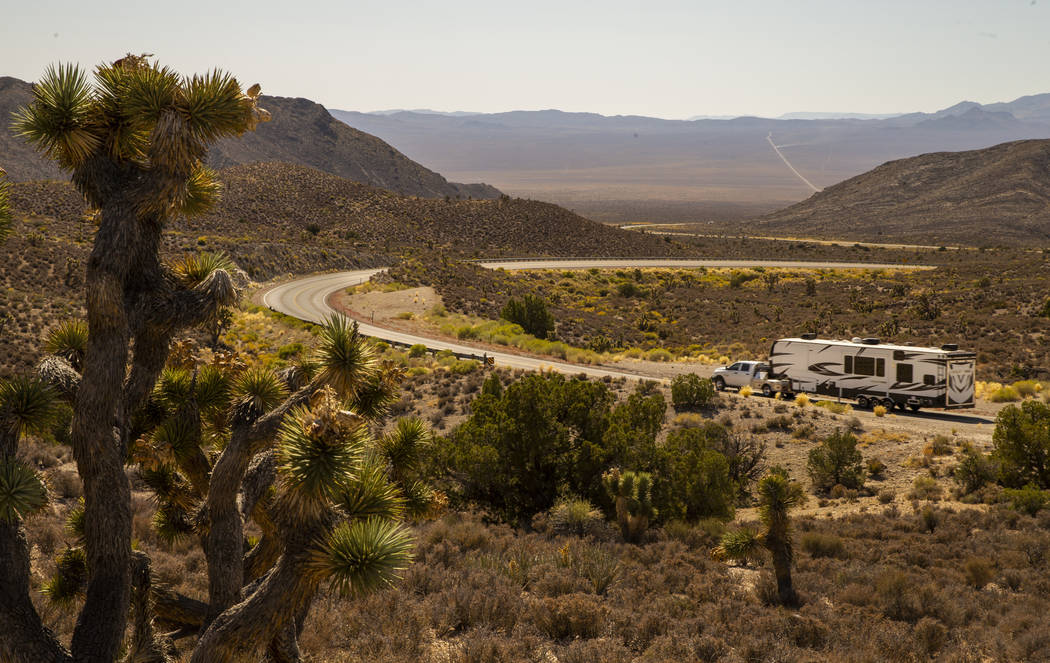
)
(663, 58)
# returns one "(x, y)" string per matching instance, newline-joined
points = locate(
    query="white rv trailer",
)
(873, 373)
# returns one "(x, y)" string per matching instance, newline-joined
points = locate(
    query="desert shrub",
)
(690, 391)
(1021, 444)
(925, 488)
(545, 435)
(930, 636)
(833, 406)
(628, 289)
(836, 461)
(879, 411)
(417, 350)
(876, 468)
(1027, 388)
(941, 445)
(974, 471)
(688, 420)
(572, 515)
(738, 279)
(702, 470)
(704, 534)
(568, 617)
(1029, 499)
(1005, 394)
(746, 391)
(660, 354)
(929, 518)
(531, 313)
(290, 350)
(886, 496)
(979, 571)
(802, 400)
(823, 545)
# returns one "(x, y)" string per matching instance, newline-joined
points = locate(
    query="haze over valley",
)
(629, 168)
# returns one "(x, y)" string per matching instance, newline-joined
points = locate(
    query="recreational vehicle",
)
(866, 371)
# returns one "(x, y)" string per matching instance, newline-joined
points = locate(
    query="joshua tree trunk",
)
(96, 437)
(781, 555)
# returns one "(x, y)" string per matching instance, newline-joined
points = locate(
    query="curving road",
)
(307, 299)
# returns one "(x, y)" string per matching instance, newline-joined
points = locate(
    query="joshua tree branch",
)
(23, 637)
(224, 548)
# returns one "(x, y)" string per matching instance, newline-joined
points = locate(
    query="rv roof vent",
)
(808, 336)
(950, 346)
(870, 341)
(855, 339)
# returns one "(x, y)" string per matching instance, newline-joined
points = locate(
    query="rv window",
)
(904, 373)
(929, 379)
(849, 365)
(864, 365)
(880, 367)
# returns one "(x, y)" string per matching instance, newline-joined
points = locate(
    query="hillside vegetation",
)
(277, 218)
(999, 196)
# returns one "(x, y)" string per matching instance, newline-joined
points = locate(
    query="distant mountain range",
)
(627, 168)
(302, 132)
(997, 196)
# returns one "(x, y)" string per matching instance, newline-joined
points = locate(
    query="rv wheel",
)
(888, 404)
(862, 402)
(766, 391)
(913, 408)
(719, 384)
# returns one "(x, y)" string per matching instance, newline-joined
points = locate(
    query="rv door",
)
(960, 391)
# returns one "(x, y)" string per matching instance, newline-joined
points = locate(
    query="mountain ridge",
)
(301, 131)
(988, 197)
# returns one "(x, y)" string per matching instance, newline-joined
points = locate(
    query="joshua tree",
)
(631, 492)
(293, 448)
(777, 494)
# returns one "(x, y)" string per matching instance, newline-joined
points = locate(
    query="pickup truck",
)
(754, 374)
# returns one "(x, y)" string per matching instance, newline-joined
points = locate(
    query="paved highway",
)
(307, 299)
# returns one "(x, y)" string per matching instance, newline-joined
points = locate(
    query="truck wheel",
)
(719, 383)
(862, 402)
(766, 391)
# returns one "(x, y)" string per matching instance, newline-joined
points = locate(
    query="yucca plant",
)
(69, 340)
(742, 546)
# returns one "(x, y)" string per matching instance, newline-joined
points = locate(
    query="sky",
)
(662, 58)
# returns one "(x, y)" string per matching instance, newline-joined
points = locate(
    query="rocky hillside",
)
(275, 219)
(994, 196)
(20, 160)
(301, 132)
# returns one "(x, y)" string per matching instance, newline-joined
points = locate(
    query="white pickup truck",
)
(754, 374)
